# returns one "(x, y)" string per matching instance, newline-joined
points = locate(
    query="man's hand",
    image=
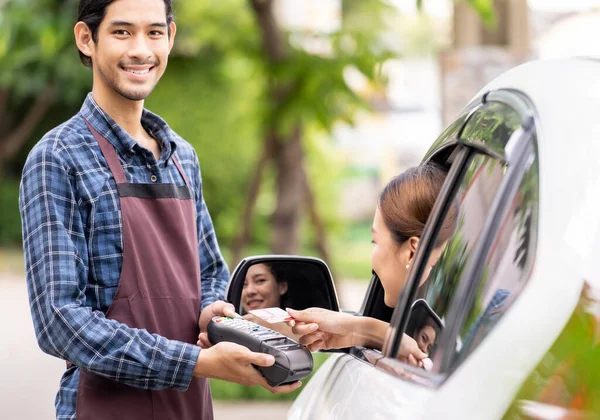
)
(232, 362)
(218, 308)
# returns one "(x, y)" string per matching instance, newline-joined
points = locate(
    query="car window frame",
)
(521, 146)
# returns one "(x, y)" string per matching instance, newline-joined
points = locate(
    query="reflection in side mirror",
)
(282, 281)
(424, 326)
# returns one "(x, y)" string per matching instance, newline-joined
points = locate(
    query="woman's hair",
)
(280, 277)
(92, 12)
(407, 200)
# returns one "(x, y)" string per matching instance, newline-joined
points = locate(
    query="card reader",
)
(293, 361)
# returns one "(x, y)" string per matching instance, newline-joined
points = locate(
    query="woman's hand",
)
(410, 352)
(321, 329)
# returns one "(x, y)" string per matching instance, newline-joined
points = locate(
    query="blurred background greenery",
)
(258, 101)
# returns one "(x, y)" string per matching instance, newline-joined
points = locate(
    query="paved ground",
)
(29, 378)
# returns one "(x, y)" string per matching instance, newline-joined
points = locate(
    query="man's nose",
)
(139, 48)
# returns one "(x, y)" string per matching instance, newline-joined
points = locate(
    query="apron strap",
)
(176, 162)
(109, 154)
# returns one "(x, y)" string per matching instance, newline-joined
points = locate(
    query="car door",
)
(490, 152)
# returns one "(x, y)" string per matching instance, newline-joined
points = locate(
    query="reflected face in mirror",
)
(424, 326)
(426, 338)
(262, 288)
(266, 281)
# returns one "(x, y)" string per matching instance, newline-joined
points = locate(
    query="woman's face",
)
(426, 338)
(390, 260)
(261, 289)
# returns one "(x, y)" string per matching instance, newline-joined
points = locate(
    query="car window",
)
(507, 267)
(474, 201)
(482, 270)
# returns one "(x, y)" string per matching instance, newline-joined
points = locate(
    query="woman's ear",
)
(413, 243)
(283, 287)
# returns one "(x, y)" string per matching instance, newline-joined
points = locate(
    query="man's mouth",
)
(138, 70)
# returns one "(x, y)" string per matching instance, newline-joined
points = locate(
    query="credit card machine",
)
(293, 361)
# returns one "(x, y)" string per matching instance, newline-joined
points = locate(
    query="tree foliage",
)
(218, 92)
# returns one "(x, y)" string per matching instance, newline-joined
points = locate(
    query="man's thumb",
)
(262, 359)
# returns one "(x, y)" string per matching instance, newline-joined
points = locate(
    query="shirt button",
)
(153, 178)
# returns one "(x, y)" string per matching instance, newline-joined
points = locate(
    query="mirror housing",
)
(301, 282)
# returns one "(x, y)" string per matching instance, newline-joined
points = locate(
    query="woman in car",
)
(402, 211)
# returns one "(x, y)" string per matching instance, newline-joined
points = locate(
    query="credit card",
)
(272, 315)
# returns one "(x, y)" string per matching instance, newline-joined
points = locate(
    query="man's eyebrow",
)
(119, 23)
(129, 24)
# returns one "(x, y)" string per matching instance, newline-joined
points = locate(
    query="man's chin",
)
(135, 94)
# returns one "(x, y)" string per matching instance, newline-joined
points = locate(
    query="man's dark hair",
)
(92, 12)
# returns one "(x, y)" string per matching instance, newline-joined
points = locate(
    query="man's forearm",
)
(111, 349)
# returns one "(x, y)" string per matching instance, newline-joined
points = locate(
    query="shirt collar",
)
(123, 143)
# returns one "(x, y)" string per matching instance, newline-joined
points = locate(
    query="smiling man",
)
(123, 265)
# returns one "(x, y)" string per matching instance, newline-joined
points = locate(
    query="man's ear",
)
(283, 287)
(173, 30)
(413, 243)
(83, 38)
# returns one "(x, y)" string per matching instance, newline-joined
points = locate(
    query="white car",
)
(516, 292)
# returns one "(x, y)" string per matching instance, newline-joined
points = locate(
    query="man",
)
(120, 250)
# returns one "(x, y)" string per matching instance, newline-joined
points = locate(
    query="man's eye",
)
(120, 32)
(156, 33)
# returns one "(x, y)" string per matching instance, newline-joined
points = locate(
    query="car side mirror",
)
(424, 326)
(296, 282)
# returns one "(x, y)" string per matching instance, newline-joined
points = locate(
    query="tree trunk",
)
(11, 143)
(240, 241)
(287, 152)
(290, 193)
(319, 227)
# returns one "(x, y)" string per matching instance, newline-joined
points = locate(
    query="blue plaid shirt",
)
(72, 239)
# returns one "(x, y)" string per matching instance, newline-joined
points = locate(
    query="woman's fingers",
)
(309, 339)
(304, 329)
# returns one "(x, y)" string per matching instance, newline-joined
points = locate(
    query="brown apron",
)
(159, 290)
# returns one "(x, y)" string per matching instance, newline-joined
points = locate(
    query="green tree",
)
(39, 69)
(293, 92)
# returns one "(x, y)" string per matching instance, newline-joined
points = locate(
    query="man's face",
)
(133, 46)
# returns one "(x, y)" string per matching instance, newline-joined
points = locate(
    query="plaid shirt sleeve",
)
(214, 272)
(56, 260)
